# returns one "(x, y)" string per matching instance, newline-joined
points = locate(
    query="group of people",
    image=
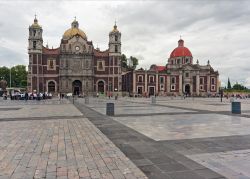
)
(27, 96)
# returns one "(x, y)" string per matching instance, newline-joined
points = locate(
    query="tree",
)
(18, 75)
(229, 84)
(124, 61)
(134, 62)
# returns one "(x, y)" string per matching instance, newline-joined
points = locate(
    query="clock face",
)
(77, 48)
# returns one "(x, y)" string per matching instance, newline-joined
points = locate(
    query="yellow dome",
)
(74, 31)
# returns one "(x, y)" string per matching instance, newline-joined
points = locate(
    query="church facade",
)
(180, 76)
(75, 66)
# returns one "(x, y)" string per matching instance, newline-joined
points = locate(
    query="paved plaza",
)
(193, 138)
(51, 139)
(177, 138)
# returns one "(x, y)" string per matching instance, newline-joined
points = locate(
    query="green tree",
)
(124, 61)
(229, 84)
(5, 73)
(134, 62)
(18, 75)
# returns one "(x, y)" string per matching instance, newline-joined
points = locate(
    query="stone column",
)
(146, 82)
(197, 84)
(157, 83)
(180, 84)
(168, 84)
(208, 84)
(134, 81)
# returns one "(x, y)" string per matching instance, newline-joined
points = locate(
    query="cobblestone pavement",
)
(69, 147)
(175, 138)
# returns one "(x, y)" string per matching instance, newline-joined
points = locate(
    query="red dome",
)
(181, 51)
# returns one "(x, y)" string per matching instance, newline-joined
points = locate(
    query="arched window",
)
(116, 38)
(116, 48)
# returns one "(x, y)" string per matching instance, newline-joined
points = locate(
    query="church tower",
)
(114, 73)
(34, 80)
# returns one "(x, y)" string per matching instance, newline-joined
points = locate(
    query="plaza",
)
(173, 138)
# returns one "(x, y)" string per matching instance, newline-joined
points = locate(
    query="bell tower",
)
(114, 74)
(35, 46)
(115, 41)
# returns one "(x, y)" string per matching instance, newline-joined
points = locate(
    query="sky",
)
(218, 31)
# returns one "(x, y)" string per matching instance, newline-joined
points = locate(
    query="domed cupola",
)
(181, 51)
(73, 31)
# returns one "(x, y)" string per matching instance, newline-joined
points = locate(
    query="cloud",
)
(212, 30)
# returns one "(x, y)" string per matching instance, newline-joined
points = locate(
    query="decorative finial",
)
(75, 18)
(197, 61)
(47, 45)
(180, 36)
(208, 62)
(115, 26)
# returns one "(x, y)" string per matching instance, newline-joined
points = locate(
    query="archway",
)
(100, 86)
(77, 87)
(51, 87)
(187, 89)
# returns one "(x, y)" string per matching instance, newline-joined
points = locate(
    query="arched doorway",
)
(51, 87)
(187, 89)
(100, 86)
(77, 87)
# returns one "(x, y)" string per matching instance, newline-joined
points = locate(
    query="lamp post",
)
(10, 76)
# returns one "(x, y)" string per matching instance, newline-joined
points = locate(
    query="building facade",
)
(179, 76)
(75, 66)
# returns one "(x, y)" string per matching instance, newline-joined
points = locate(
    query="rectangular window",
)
(201, 81)
(173, 80)
(116, 48)
(172, 87)
(187, 75)
(201, 87)
(100, 65)
(151, 79)
(213, 81)
(34, 45)
(116, 38)
(140, 78)
(51, 64)
(162, 79)
(213, 87)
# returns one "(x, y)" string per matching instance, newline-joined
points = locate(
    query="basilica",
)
(76, 67)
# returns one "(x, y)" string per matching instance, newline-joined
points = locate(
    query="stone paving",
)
(66, 147)
(177, 138)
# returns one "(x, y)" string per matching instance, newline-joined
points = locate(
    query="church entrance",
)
(151, 90)
(51, 87)
(187, 89)
(77, 87)
(100, 85)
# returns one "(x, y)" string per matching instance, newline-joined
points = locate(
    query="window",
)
(172, 87)
(34, 32)
(213, 87)
(187, 60)
(178, 61)
(201, 81)
(34, 45)
(140, 78)
(173, 80)
(187, 75)
(100, 65)
(162, 79)
(51, 64)
(212, 81)
(116, 38)
(116, 48)
(151, 79)
(201, 87)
